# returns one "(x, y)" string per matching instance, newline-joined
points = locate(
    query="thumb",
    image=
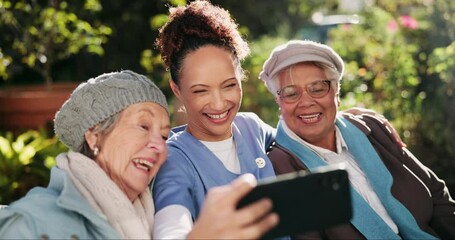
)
(241, 186)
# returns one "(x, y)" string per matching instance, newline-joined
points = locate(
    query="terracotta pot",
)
(32, 107)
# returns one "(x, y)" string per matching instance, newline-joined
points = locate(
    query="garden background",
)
(399, 55)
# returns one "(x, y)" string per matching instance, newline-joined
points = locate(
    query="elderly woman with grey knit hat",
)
(115, 126)
(393, 194)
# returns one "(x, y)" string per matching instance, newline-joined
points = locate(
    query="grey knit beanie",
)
(100, 98)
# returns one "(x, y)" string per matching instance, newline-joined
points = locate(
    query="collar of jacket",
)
(70, 198)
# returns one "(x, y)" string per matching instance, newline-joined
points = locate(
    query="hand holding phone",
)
(306, 201)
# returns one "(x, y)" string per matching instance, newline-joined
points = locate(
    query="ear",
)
(175, 89)
(91, 138)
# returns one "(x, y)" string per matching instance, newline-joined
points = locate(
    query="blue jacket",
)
(56, 212)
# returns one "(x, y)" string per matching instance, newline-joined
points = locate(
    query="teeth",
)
(218, 116)
(309, 116)
(309, 119)
(143, 164)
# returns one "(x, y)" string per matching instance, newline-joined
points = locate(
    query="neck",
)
(205, 135)
(327, 142)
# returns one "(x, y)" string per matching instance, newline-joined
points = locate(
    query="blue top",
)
(56, 212)
(192, 169)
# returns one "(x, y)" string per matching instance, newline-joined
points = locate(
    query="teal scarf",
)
(365, 219)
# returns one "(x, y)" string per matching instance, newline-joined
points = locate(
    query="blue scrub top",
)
(192, 169)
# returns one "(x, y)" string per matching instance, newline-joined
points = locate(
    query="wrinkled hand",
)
(219, 217)
(364, 111)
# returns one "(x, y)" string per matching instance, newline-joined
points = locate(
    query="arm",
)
(220, 218)
(174, 202)
(443, 218)
(172, 222)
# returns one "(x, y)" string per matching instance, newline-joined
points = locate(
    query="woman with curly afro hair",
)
(202, 48)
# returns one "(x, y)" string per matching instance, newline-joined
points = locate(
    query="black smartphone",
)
(306, 201)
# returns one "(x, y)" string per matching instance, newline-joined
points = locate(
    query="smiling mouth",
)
(217, 116)
(143, 164)
(312, 118)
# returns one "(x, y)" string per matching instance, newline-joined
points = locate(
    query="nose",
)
(156, 142)
(217, 101)
(305, 100)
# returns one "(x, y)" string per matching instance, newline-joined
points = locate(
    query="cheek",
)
(287, 109)
(239, 91)
(194, 104)
(193, 101)
(234, 95)
(119, 150)
(332, 101)
(117, 156)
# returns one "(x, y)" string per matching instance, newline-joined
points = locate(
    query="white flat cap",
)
(296, 51)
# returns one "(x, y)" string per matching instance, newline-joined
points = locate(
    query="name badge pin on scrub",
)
(260, 162)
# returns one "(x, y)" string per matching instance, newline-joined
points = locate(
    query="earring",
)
(95, 151)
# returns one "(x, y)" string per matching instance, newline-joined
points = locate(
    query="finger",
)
(254, 212)
(240, 187)
(395, 134)
(398, 138)
(258, 229)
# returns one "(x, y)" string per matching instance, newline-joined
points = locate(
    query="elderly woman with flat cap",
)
(115, 126)
(393, 194)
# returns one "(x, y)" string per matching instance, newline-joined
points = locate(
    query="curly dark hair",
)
(193, 26)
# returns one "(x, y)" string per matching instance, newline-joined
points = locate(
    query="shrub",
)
(25, 161)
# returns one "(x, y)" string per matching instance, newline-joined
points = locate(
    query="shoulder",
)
(57, 211)
(251, 121)
(37, 201)
(180, 145)
(181, 149)
(372, 126)
(13, 224)
(378, 133)
(38, 215)
(247, 117)
(177, 129)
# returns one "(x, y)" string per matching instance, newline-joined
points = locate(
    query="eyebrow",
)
(205, 85)
(166, 127)
(147, 111)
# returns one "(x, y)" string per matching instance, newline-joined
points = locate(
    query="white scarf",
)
(132, 220)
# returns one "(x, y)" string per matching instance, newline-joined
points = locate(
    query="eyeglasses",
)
(292, 93)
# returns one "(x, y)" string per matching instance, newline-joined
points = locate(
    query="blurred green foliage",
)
(401, 62)
(38, 35)
(25, 161)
